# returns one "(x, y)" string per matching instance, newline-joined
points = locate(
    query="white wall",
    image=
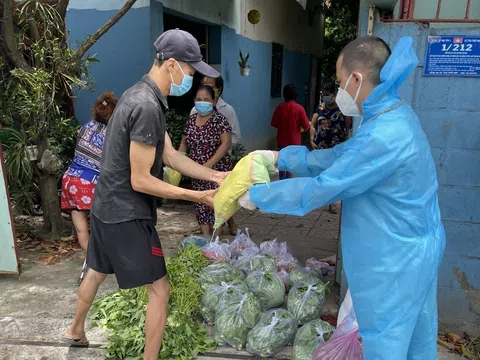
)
(282, 21)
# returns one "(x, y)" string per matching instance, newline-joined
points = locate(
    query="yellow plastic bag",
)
(252, 169)
(171, 176)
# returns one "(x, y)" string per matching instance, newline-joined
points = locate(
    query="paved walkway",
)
(36, 309)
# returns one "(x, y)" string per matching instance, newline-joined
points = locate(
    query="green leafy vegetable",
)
(267, 287)
(302, 274)
(122, 313)
(218, 272)
(306, 299)
(310, 337)
(255, 263)
(217, 293)
(276, 329)
(235, 318)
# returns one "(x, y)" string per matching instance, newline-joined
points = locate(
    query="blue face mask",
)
(184, 87)
(203, 107)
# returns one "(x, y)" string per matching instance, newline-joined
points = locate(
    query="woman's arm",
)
(313, 126)
(226, 139)
(183, 145)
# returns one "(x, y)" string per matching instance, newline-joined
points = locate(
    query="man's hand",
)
(245, 202)
(206, 197)
(220, 177)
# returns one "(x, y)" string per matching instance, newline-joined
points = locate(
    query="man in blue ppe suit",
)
(392, 235)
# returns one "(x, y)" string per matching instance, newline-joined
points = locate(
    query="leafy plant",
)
(238, 152)
(175, 122)
(243, 62)
(123, 312)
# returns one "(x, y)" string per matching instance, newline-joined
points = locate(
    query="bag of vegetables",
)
(242, 245)
(218, 272)
(255, 263)
(217, 251)
(302, 274)
(235, 318)
(267, 287)
(309, 338)
(217, 293)
(275, 330)
(306, 299)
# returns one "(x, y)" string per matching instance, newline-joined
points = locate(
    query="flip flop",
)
(77, 342)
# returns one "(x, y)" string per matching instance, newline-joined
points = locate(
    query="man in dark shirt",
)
(123, 238)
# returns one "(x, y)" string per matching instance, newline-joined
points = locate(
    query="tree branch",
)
(7, 37)
(100, 32)
(61, 8)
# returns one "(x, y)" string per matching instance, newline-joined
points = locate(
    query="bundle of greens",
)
(267, 287)
(310, 337)
(306, 299)
(255, 263)
(217, 293)
(122, 313)
(218, 272)
(235, 318)
(275, 330)
(302, 274)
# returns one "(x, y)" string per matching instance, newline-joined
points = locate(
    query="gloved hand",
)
(245, 202)
(270, 155)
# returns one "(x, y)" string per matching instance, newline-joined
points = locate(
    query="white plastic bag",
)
(243, 245)
(216, 251)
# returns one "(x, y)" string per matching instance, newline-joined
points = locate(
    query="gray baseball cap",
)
(182, 46)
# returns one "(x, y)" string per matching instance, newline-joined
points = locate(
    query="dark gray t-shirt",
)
(139, 116)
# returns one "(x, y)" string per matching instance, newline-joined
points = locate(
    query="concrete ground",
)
(36, 308)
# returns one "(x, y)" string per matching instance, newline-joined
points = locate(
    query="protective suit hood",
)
(399, 66)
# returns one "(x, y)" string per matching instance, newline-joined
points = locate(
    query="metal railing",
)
(407, 9)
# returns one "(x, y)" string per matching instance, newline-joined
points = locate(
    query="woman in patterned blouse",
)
(207, 139)
(78, 183)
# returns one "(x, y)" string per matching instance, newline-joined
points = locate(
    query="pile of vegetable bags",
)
(245, 280)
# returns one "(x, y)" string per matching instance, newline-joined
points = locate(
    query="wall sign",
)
(450, 55)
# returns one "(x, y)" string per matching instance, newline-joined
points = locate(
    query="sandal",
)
(77, 342)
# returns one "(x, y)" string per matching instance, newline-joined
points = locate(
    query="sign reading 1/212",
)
(453, 56)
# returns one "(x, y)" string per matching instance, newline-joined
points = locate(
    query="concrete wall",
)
(449, 110)
(126, 51)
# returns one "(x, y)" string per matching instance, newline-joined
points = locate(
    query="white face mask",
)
(348, 105)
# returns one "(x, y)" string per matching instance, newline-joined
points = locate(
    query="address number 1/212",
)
(457, 47)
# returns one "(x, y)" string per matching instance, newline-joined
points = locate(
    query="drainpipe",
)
(371, 19)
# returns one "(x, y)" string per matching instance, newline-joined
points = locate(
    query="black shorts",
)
(131, 250)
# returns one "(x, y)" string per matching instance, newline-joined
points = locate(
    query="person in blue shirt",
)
(392, 236)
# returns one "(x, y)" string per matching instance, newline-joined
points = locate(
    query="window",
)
(277, 67)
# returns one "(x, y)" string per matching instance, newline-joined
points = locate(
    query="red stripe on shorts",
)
(157, 251)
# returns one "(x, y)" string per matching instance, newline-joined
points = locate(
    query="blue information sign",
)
(450, 55)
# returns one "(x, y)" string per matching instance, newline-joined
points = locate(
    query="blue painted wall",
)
(250, 96)
(125, 52)
(449, 110)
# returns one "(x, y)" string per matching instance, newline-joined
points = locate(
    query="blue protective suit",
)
(392, 236)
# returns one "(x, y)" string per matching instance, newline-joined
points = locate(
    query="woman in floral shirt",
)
(78, 183)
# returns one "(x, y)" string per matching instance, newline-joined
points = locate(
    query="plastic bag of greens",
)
(283, 275)
(267, 287)
(218, 272)
(306, 299)
(272, 248)
(217, 251)
(275, 330)
(216, 293)
(197, 240)
(249, 264)
(320, 267)
(309, 338)
(344, 344)
(242, 245)
(234, 319)
(301, 274)
(286, 261)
